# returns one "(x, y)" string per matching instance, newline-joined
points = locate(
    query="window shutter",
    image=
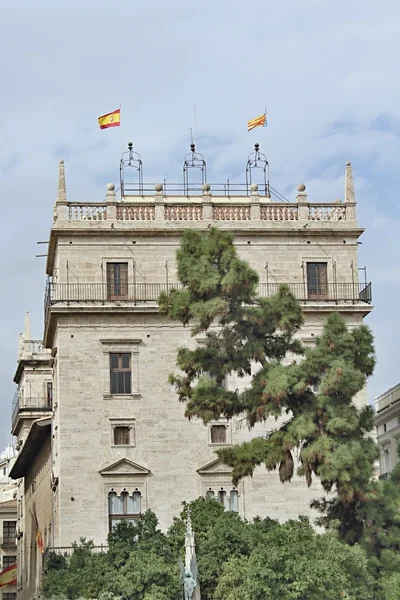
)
(218, 434)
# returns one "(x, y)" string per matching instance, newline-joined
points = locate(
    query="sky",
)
(327, 72)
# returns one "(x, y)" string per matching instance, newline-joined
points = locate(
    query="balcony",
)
(388, 399)
(68, 550)
(37, 405)
(150, 292)
(8, 542)
(139, 293)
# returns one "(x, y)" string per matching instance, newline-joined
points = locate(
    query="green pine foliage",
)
(250, 336)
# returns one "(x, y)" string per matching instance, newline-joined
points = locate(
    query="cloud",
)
(326, 71)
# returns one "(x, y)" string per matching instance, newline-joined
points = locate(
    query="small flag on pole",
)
(260, 121)
(8, 576)
(112, 119)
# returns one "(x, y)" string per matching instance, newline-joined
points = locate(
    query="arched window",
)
(233, 501)
(210, 494)
(222, 497)
(123, 507)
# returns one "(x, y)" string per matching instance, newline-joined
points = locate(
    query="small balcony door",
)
(317, 281)
(117, 281)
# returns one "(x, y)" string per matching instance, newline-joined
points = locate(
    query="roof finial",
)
(348, 184)
(62, 189)
(27, 327)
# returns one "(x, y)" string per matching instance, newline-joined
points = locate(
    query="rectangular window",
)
(123, 507)
(9, 532)
(120, 373)
(218, 434)
(9, 561)
(117, 281)
(317, 280)
(49, 392)
(122, 436)
(9, 595)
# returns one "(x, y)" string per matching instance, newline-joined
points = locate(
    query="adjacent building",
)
(100, 432)
(387, 423)
(8, 520)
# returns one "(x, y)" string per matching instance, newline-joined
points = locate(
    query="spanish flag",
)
(39, 539)
(8, 576)
(110, 120)
(260, 121)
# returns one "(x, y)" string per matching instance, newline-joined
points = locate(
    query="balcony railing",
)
(387, 399)
(8, 542)
(138, 293)
(25, 405)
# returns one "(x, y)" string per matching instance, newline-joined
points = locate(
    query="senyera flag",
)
(260, 121)
(112, 119)
(8, 576)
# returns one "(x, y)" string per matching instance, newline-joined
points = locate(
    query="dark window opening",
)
(123, 507)
(218, 434)
(121, 436)
(9, 561)
(317, 280)
(117, 281)
(9, 532)
(120, 373)
(49, 390)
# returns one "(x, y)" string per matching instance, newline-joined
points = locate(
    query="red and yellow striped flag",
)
(8, 576)
(260, 121)
(39, 539)
(112, 119)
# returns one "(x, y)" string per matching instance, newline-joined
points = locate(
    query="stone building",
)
(31, 425)
(387, 423)
(8, 520)
(113, 441)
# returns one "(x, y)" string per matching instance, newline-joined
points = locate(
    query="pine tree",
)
(251, 336)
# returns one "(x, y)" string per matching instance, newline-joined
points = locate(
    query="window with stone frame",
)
(218, 434)
(122, 435)
(9, 561)
(120, 373)
(317, 280)
(117, 281)
(9, 532)
(9, 595)
(228, 498)
(123, 507)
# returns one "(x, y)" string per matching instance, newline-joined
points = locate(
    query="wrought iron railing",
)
(68, 550)
(227, 188)
(149, 292)
(22, 404)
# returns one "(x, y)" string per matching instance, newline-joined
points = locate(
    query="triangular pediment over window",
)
(124, 467)
(214, 467)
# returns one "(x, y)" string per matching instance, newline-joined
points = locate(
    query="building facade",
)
(31, 426)
(8, 520)
(114, 441)
(387, 423)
